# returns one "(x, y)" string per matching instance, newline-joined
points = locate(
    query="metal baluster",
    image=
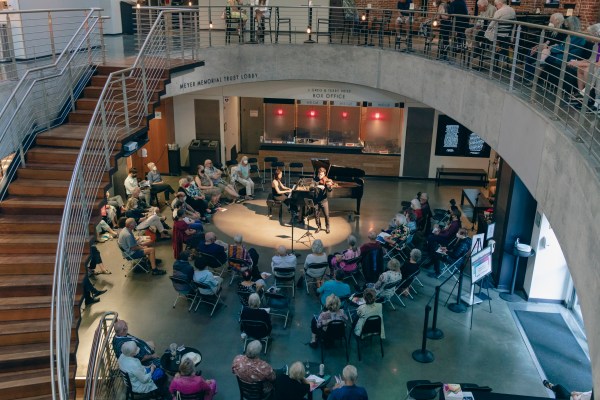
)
(51, 33)
(101, 33)
(514, 60)
(493, 55)
(125, 105)
(11, 48)
(536, 74)
(563, 67)
(181, 36)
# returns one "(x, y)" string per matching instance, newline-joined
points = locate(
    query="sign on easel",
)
(481, 266)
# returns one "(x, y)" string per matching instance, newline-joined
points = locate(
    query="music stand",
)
(309, 204)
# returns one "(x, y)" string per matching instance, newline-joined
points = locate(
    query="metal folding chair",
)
(285, 278)
(314, 272)
(255, 330)
(213, 299)
(187, 291)
(133, 262)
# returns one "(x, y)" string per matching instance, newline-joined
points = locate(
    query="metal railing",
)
(505, 55)
(33, 38)
(102, 378)
(121, 111)
(44, 95)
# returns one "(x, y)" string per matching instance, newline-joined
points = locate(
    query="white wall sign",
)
(157, 115)
(187, 84)
(253, 113)
(328, 93)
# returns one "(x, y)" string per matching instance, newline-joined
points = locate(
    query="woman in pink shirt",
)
(187, 382)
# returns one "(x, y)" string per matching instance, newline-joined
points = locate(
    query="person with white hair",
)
(253, 312)
(250, 368)
(347, 260)
(242, 175)
(551, 38)
(399, 234)
(157, 185)
(347, 390)
(283, 260)
(474, 34)
(292, 386)
(317, 256)
(145, 353)
(140, 377)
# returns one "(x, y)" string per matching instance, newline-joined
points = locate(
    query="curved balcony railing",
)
(166, 35)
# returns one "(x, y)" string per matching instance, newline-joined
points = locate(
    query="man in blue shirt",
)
(337, 287)
(348, 389)
(135, 249)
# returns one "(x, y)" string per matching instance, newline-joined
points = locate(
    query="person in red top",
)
(181, 232)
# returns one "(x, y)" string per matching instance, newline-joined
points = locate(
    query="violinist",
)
(325, 185)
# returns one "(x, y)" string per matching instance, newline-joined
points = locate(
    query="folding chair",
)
(453, 267)
(235, 271)
(131, 395)
(213, 263)
(255, 330)
(193, 396)
(355, 271)
(184, 289)
(387, 294)
(279, 305)
(133, 262)
(372, 327)
(213, 299)
(285, 278)
(336, 330)
(314, 272)
(253, 391)
(406, 284)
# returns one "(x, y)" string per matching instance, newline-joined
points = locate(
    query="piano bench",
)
(274, 204)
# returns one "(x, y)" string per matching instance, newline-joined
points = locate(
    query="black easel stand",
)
(458, 307)
(423, 355)
(434, 332)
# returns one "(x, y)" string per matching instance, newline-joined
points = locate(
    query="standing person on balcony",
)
(503, 12)
(137, 249)
(445, 29)
(456, 9)
(131, 182)
(474, 34)
(157, 185)
(403, 22)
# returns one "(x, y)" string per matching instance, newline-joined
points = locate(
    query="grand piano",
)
(348, 183)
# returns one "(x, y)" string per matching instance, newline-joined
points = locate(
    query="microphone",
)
(425, 386)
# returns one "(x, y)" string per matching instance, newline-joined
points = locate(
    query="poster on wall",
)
(456, 140)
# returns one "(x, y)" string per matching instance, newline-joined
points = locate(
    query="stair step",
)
(22, 285)
(41, 205)
(37, 355)
(27, 244)
(85, 116)
(53, 188)
(134, 107)
(24, 308)
(108, 69)
(42, 154)
(27, 332)
(33, 384)
(27, 223)
(96, 91)
(100, 80)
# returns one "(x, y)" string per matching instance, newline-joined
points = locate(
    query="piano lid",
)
(335, 171)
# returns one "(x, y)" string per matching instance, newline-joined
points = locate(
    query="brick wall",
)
(587, 10)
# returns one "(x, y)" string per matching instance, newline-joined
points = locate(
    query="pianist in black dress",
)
(280, 193)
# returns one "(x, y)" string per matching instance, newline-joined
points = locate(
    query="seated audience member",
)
(441, 237)
(157, 185)
(141, 378)
(399, 234)
(182, 268)
(391, 275)
(283, 260)
(187, 382)
(563, 394)
(341, 260)
(411, 220)
(205, 184)
(249, 368)
(110, 214)
(332, 312)
(96, 266)
(248, 286)
(292, 386)
(455, 250)
(426, 211)
(215, 174)
(371, 244)
(183, 232)
(131, 182)
(180, 203)
(242, 175)
(114, 201)
(369, 309)
(146, 353)
(239, 251)
(583, 68)
(335, 286)
(551, 38)
(214, 247)
(203, 275)
(347, 390)
(474, 34)
(253, 312)
(318, 255)
(136, 248)
(409, 268)
(104, 227)
(193, 195)
(150, 219)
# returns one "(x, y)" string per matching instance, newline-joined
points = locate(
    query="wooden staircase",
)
(30, 217)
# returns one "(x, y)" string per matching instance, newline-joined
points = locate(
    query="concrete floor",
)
(492, 353)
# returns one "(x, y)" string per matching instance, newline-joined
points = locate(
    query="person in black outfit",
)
(254, 313)
(459, 7)
(279, 192)
(404, 22)
(321, 203)
(453, 252)
(292, 386)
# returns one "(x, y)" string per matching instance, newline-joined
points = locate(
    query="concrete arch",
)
(555, 169)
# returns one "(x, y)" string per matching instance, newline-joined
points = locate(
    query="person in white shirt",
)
(486, 10)
(140, 377)
(283, 260)
(504, 11)
(131, 182)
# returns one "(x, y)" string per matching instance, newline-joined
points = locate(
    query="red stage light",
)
(279, 111)
(377, 116)
(312, 113)
(344, 114)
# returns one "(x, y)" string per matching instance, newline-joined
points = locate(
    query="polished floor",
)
(492, 353)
